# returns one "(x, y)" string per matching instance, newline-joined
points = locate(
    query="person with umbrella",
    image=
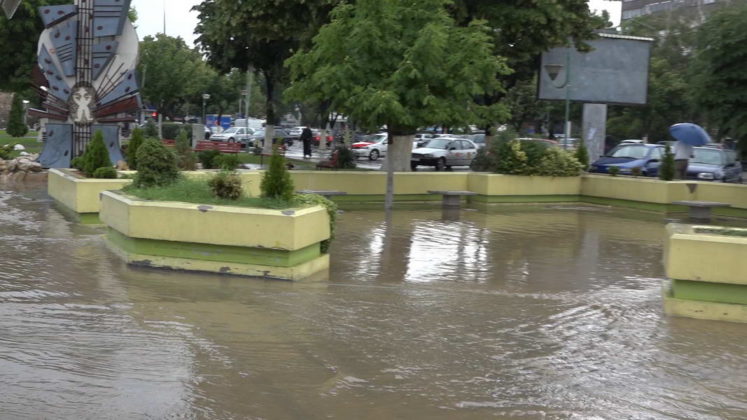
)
(306, 136)
(688, 135)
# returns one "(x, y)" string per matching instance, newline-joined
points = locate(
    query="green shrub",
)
(135, 141)
(16, 126)
(151, 130)
(226, 162)
(666, 169)
(96, 156)
(5, 151)
(345, 158)
(105, 172)
(173, 131)
(484, 161)
(277, 182)
(558, 162)
(511, 159)
(582, 155)
(314, 199)
(207, 157)
(613, 170)
(636, 171)
(226, 185)
(185, 157)
(156, 165)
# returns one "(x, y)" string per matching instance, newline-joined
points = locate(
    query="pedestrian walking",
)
(306, 136)
(682, 154)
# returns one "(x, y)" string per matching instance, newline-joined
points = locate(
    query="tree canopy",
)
(719, 77)
(406, 66)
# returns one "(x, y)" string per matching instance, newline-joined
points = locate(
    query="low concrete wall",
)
(635, 189)
(77, 193)
(708, 272)
(513, 185)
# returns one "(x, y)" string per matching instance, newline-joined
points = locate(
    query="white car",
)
(443, 153)
(373, 147)
(234, 135)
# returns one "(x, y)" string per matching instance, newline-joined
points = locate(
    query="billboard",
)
(615, 71)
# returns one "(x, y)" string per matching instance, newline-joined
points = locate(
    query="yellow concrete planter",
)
(497, 185)
(708, 268)
(647, 190)
(78, 193)
(268, 243)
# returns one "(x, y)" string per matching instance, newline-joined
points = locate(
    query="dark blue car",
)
(647, 157)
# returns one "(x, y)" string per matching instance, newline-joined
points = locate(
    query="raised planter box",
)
(514, 188)
(282, 244)
(77, 193)
(708, 268)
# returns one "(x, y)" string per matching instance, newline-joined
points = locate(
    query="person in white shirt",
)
(682, 154)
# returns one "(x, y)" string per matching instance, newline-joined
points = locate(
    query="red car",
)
(317, 136)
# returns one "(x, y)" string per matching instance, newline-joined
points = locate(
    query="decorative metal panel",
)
(63, 40)
(51, 15)
(58, 148)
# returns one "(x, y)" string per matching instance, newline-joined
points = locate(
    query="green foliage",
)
(77, 163)
(345, 158)
(636, 172)
(719, 77)
(5, 151)
(207, 158)
(484, 161)
(226, 162)
(173, 131)
(511, 159)
(329, 205)
(106, 172)
(135, 141)
(557, 162)
(226, 185)
(276, 181)
(185, 157)
(151, 130)
(156, 165)
(401, 64)
(613, 170)
(16, 126)
(666, 169)
(96, 156)
(582, 155)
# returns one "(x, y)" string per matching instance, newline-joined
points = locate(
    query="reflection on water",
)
(520, 312)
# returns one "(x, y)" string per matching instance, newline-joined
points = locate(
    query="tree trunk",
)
(398, 156)
(270, 110)
(323, 138)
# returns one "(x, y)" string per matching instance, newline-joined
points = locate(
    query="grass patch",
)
(29, 142)
(198, 192)
(725, 232)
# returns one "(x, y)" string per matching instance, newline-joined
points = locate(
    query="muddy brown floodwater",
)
(520, 312)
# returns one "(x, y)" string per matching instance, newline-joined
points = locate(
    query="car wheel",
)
(231, 140)
(413, 166)
(373, 155)
(440, 164)
(448, 167)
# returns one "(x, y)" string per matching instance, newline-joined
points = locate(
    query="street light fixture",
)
(553, 70)
(205, 97)
(25, 110)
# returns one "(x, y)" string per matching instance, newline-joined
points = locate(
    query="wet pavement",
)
(522, 312)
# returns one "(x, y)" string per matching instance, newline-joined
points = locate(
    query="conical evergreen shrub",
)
(96, 156)
(666, 169)
(582, 154)
(156, 165)
(16, 126)
(135, 142)
(277, 182)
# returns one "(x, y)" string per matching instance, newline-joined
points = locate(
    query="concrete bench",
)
(452, 199)
(324, 193)
(700, 210)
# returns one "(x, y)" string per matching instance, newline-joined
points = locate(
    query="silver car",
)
(234, 135)
(443, 153)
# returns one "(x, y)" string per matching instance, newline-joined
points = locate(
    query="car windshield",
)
(437, 143)
(707, 156)
(375, 138)
(231, 130)
(630, 151)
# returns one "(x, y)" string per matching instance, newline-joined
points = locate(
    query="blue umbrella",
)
(690, 133)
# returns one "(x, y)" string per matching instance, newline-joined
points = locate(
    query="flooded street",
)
(521, 312)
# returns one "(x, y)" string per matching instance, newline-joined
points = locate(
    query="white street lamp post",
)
(553, 70)
(205, 97)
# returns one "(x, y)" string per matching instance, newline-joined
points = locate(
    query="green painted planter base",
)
(704, 310)
(709, 292)
(253, 262)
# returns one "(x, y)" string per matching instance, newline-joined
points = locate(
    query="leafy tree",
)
(156, 165)
(16, 126)
(260, 34)
(171, 73)
(18, 44)
(135, 141)
(400, 65)
(720, 80)
(276, 181)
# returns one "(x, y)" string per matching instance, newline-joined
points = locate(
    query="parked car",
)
(714, 164)
(627, 156)
(443, 153)
(317, 137)
(478, 139)
(258, 137)
(546, 142)
(633, 141)
(234, 135)
(372, 147)
(295, 132)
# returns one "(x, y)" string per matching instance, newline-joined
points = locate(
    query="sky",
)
(180, 21)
